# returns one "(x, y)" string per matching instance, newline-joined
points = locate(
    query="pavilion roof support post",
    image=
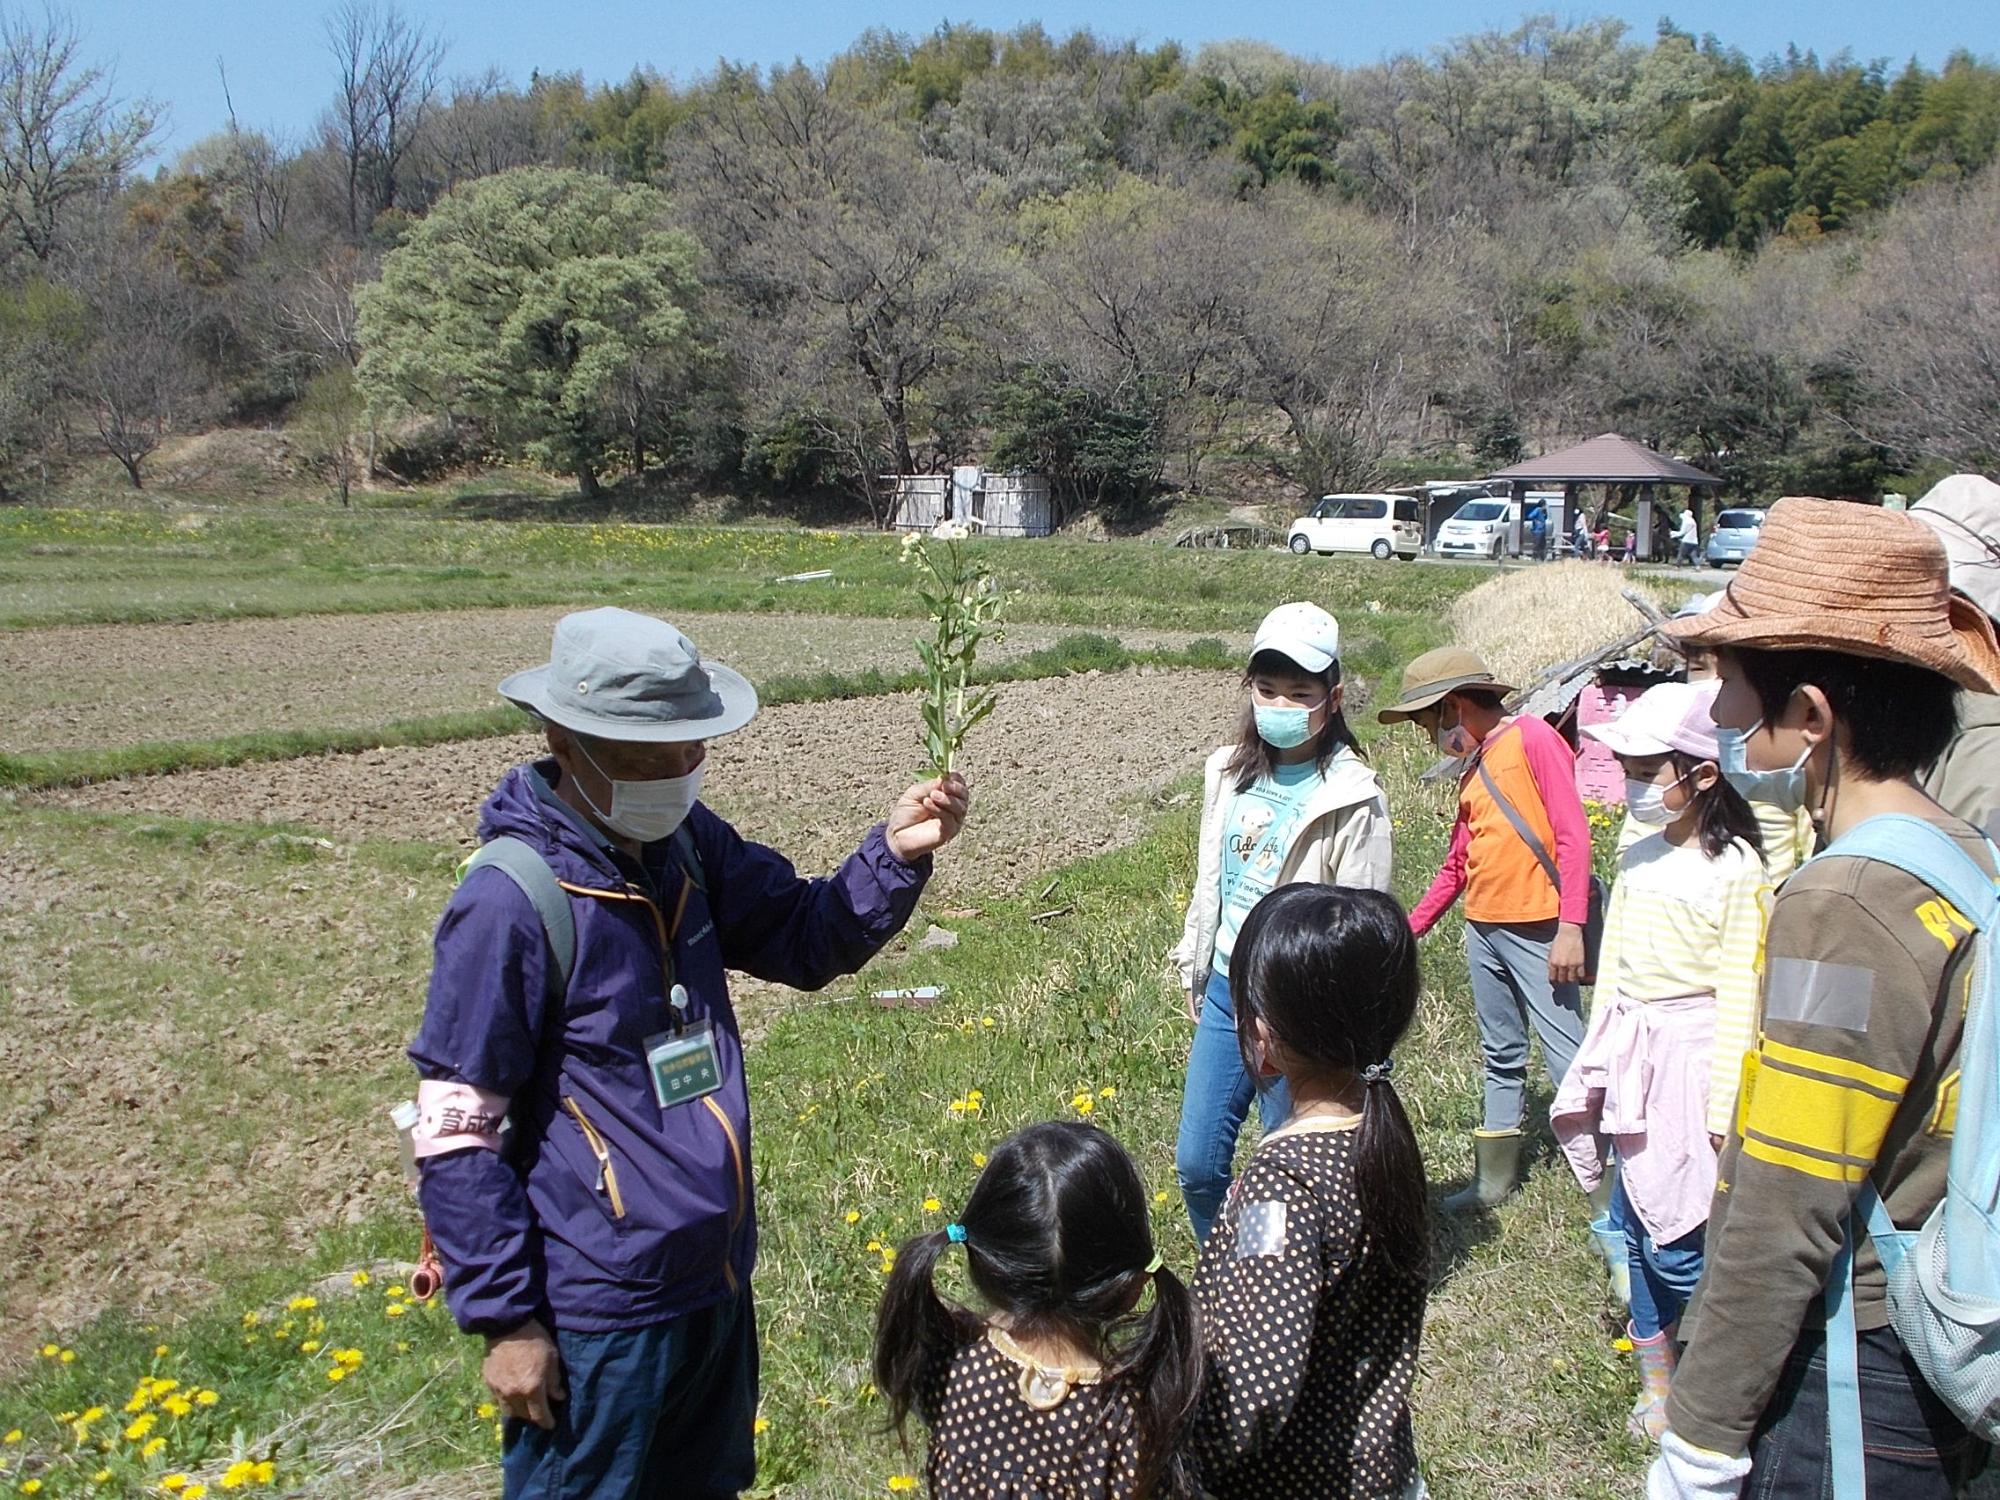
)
(1643, 537)
(1518, 492)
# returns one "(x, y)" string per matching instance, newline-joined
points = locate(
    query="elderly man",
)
(1964, 510)
(584, 1131)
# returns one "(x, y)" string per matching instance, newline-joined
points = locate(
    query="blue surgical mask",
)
(1784, 789)
(1283, 728)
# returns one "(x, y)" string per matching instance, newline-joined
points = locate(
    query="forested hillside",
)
(1140, 269)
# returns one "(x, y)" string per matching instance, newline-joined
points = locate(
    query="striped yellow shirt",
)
(1681, 923)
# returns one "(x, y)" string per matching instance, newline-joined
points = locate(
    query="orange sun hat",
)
(1827, 575)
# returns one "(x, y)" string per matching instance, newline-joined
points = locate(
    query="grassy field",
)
(224, 1010)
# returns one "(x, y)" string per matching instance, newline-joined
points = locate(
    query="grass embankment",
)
(263, 989)
(112, 567)
(80, 767)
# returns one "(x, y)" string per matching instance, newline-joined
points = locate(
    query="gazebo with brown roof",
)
(1605, 459)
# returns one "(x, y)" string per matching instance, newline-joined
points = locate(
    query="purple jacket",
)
(602, 1210)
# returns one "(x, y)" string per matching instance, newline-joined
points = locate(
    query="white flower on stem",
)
(951, 531)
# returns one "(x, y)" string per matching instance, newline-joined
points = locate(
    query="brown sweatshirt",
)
(1854, 1076)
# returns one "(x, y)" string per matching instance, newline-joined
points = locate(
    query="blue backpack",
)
(1943, 1278)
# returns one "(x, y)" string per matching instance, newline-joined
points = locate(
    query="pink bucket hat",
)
(1673, 716)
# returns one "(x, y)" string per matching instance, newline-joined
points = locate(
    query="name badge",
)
(683, 1064)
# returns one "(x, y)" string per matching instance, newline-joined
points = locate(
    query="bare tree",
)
(62, 136)
(135, 377)
(389, 76)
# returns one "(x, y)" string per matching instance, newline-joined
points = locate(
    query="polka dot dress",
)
(1311, 1338)
(1006, 1428)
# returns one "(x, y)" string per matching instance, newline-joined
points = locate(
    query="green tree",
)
(541, 301)
(327, 421)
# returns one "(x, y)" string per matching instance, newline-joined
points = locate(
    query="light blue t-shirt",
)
(1262, 825)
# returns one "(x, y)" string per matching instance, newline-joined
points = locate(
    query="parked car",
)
(1734, 534)
(1385, 525)
(1477, 529)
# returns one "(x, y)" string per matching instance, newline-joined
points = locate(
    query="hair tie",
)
(955, 1233)
(1378, 1072)
(1154, 1264)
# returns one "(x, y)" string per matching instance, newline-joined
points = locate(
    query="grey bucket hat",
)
(617, 675)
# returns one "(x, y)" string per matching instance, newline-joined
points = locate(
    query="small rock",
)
(937, 940)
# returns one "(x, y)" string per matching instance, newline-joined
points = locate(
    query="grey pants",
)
(1510, 989)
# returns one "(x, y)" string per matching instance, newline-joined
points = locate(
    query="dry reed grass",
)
(1529, 619)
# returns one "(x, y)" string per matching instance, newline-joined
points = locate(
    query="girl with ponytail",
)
(1060, 1388)
(1312, 1285)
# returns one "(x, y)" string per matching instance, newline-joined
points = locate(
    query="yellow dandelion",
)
(402, 1346)
(979, 1158)
(986, 1021)
(12, 1437)
(759, 1427)
(159, 1351)
(931, 1205)
(68, 1357)
(853, 1216)
(205, 1398)
(267, 1471)
(902, 1483)
(394, 1310)
(153, 1446)
(31, 1487)
(238, 1474)
(303, 1304)
(194, 1492)
(397, 1291)
(50, 1351)
(161, 1387)
(337, 1373)
(310, 1346)
(102, 1476)
(361, 1278)
(141, 1425)
(1161, 1196)
(1083, 1104)
(178, 1406)
(252, 1319)
(874, 1244)
(174, 1482)
(974, 1096)
(487, 1411)
(1107, 1092)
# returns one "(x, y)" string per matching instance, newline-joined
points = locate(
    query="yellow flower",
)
(266, 1471)
(31, 1487)
(153, 1446)
(874, 1244)
(1083, 1104)
(310, 1346)
(402, 1346)
(931, 1205)
(102, 1476)
(50, 1351)
(487, 1411)
(68, 1356)
(979, 1158)
(316, 1327)
(252, 1319)
(853, 1216)
(338, 1372)
(758, 1427)
(140, 1427)
(986, 1021)
(159, 1351)
(973, 1096)
(303, 1304)
(394, 1310)
(174, 1482)
(178, 1406)
(1107, 1092)
(396, 1291)
(194, 1492)
(12, 1437)
(900, 1483)
(161, 1387)
(361, 1278)
(1161, 1196)
(205, 1398)
(238, 1474)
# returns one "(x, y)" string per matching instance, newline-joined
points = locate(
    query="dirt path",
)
(1063, 768)
(104, 685)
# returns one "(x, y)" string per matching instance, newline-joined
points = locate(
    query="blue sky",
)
(281, 77)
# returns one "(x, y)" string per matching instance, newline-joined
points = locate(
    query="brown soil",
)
(104, 685)
(1063, 767)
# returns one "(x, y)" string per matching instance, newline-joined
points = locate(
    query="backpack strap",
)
(689, 855)
(1926, 851)
(523, 864)
(1528, 835)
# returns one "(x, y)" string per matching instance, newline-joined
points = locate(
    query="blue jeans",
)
(652, 1413)
(1214, 1108)
(1914, 1448)
(1663, 1276)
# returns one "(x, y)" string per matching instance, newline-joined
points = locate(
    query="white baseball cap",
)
(1302, 633)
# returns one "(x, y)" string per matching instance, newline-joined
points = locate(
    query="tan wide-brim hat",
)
(1436, 673)
(1827, 575)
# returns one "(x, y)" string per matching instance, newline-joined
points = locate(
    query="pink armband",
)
(456, 1116)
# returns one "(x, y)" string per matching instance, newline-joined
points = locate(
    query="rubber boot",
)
(1496, 1170)
(1610, 1242)
(1656, 1376)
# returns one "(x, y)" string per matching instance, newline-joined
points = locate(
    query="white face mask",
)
(1646, 801)
(646, 811)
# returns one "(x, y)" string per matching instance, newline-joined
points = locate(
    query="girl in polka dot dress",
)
(1061, 1389)
(1312, 1286)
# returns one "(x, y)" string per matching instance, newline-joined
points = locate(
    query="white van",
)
(1384, 525)
(1479, 527)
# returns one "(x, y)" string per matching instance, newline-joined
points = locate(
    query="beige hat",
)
(1434, 674)
(1830, 576)
(1964, 510)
